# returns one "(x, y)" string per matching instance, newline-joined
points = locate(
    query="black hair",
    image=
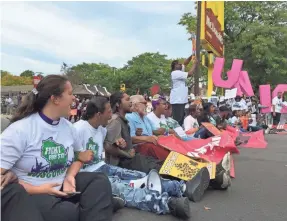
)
(206, 112)
(238, 98)
(51, 85)
(115, 100)
(96, 105)
(173, 64)
(223, 108)
(192, 109)
(234, 112)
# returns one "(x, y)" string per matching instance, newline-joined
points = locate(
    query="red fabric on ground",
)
(150, 149)
(256, 140)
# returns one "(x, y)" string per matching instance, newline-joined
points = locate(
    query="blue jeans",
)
(123, 174)
(202, 133)
(172, 187)
(143, 199)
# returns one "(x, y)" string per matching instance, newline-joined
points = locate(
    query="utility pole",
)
(197, 70)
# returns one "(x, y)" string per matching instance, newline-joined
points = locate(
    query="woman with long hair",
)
(38, 146)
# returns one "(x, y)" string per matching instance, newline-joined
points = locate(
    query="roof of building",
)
(84, 89)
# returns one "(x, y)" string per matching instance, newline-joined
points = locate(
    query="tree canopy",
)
(7, 79)
(27, 73)
(255, 32)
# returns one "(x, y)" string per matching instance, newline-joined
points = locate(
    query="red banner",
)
(208, 149)
(211, 128)
(255, 139)
(249, 139)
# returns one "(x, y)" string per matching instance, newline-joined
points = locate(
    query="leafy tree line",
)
(140, 73)
(25, 78)
(255, 32)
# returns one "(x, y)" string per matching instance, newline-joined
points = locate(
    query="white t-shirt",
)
(213, 100)
(9, 101)
(241, 105)
(234, 120)
(190, 122)
(278, 103)
(157, 122)
(244, 104)
(91, 138)
(179, 91)
(79, 106)
(38, 152)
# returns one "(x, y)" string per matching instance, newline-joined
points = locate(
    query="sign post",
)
(211, 35)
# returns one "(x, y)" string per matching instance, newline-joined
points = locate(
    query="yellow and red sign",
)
(212, 26)
(185, 168)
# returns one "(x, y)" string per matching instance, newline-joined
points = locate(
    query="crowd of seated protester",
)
(52, 169)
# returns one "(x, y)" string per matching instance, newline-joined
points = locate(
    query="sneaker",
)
(196, 187)
(179, 207)
(118, 203)
(222, 176)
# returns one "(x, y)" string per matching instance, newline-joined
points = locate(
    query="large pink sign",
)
(237, 78)
(265, 96)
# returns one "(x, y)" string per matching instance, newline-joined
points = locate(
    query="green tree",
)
(5, 73)
(189, 21)
(255, 32)
(27, 73)
(145, 70)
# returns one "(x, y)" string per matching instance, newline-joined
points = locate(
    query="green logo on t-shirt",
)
(161, 125)
(57, 158)
(91, 145)
(54, 153)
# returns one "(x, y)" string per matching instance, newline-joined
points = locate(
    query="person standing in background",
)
(213, 99)
(179, 91)
(19, 98)
(276, 108)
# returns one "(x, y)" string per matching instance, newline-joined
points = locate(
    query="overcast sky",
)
(41, 35)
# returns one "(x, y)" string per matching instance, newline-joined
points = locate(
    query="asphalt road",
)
(258, 193)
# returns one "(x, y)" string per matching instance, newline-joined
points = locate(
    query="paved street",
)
(258, 193)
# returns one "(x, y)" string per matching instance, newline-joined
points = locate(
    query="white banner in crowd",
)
(230, 93)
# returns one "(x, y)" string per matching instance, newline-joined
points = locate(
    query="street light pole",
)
(197, 70)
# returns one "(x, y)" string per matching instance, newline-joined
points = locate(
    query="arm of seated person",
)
(49, 188)
(115, 151)
(173, 132)
(159, 131)
(143, 139)
(113, 134)
(191, 131)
